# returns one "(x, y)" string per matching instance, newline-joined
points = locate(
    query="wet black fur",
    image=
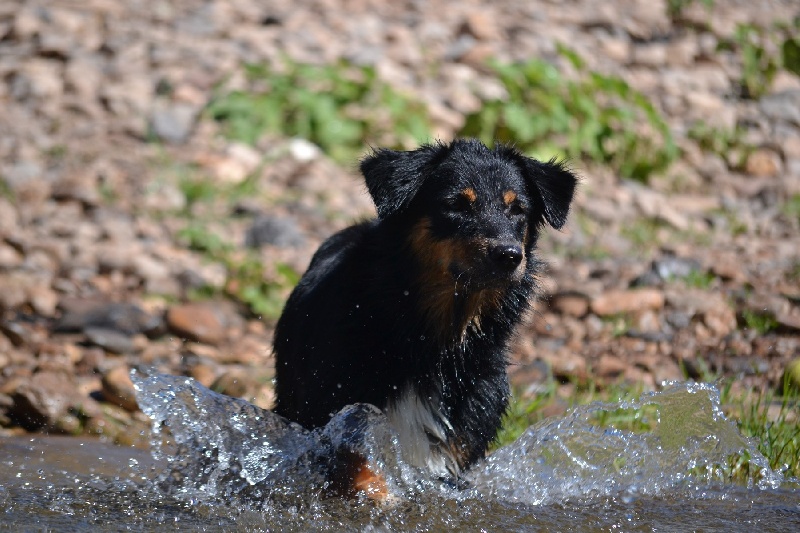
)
(352, 331)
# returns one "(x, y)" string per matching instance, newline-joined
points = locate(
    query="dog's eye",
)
(459, 204)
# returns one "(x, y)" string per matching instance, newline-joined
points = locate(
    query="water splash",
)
(223, 449)
(573, 457)
(220, 448)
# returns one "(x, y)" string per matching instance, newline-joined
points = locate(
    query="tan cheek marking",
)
(470, 194)
(509, 196)
(438, 285)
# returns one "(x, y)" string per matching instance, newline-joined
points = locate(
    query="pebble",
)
(570, 304)
(117, 388)
(174, 122)
(764, 163)
(110, 340)
(283, 232)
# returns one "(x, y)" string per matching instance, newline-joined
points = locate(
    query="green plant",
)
(597, 117)
(643, 232)
(761, 322)
(339, 107)
(5, 190)
(248, 280)
(758, 65)
(764, 51)
(790, 51)
(792, 207)
(697, 278)
(522, 413)
(730, 144)
(263, 294)
(675, 8)
(774, 425)
(196, 189)
(199, 238)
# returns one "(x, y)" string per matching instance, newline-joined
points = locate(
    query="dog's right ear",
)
(394, 178)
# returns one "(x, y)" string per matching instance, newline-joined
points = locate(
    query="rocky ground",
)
(106, 227)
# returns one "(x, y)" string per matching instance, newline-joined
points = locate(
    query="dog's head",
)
(473, 213)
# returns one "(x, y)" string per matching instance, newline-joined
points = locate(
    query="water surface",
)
(221, 464)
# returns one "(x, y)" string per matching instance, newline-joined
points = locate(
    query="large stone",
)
(204, 322)
(277, 231)
(627, 301)
(127, 318)
(43, 400)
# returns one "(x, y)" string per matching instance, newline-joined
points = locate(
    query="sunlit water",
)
(221, 464)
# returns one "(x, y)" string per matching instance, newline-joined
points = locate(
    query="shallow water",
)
(225, 465)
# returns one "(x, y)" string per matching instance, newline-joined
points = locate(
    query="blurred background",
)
(167, 168)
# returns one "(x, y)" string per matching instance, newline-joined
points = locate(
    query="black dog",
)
(413, 312)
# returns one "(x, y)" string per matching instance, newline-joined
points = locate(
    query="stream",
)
(222, 464)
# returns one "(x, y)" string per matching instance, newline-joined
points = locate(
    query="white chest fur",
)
(421, 428)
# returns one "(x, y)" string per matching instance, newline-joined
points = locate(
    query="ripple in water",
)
(221, 449)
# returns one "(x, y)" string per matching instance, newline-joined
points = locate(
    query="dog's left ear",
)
(393, 178)
(553, 186)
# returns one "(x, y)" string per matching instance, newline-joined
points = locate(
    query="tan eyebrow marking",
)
(470, 194)
(509, 196)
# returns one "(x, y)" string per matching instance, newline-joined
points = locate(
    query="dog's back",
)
(413, 312)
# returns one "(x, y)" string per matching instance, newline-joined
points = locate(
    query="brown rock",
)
(651, 55)
(667, 370)
(529, 378)
(41, 401)
(647, 322)
(570, 304)
(118, 388)
(265, 397)
(627, 301)
(728, 267)
(633, 374)
(566, 364)
(204, 374)
(610, 366)
(764, 163)
(234, 383)
(481, 25)
(203, 322)
(720, 319)
(789, 322)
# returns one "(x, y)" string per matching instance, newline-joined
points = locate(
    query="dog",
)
(413, 312)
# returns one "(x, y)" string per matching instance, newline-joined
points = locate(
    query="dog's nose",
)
(506, 255)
